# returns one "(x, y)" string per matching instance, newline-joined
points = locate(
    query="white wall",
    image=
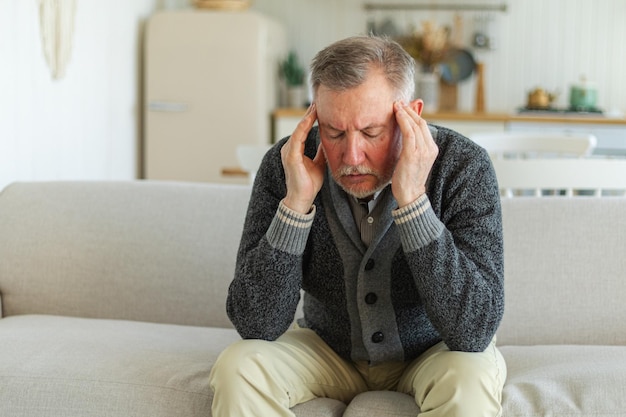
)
(87, 125)
(540, 43)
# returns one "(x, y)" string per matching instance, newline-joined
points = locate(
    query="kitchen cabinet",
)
(469, 123)
(611, 133)
(611, 137)
(286, 120)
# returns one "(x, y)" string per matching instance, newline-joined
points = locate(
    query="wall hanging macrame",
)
(56, 19)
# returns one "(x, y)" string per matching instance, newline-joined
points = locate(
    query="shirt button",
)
(370, 264)
(370, 220)
(371, 298)
(378, 337)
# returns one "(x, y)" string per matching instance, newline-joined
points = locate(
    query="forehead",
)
(370, 103)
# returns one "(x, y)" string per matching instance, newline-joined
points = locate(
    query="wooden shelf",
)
(436, 6)
(573, 119)
(465, 117)
(490, 117)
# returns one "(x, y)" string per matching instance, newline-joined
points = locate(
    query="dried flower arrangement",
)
(428, 47)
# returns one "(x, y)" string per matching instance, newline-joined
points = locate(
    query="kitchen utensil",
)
(479, 105)
(457, 66)
(482, 37)
(583, 97)
(540, 99)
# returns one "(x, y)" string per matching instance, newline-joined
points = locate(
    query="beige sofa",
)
(112, 298)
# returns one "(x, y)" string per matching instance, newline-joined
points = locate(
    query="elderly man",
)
(392, 229)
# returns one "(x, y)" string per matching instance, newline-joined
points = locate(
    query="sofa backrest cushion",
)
(165, 252)
(565, 271)
(136, 250)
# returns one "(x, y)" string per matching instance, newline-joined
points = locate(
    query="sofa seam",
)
(105, 382)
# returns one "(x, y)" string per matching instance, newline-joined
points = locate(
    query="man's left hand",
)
(418, 154)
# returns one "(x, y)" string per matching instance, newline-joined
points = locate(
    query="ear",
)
(417, 105)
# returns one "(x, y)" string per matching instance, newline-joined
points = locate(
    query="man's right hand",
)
(304, 176)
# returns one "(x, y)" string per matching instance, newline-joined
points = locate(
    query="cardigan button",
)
(378, 337)
(370, 264)
(371, 298)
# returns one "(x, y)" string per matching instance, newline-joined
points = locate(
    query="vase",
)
(296, 96)
(428, 90)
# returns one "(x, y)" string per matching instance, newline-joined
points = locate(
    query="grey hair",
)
(345, 64)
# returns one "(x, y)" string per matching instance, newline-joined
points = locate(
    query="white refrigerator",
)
(210, 84)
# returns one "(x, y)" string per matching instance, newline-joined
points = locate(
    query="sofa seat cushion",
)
(320, 407)
(565, 381)
(382, 404)
(559, 380)
(61, 366)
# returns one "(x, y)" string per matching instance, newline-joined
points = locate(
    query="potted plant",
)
(293, 75)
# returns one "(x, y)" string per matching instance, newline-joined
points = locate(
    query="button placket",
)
(367, 228)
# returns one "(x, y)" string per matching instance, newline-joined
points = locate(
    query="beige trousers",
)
(260, 378)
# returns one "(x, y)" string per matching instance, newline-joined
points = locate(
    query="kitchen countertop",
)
(583, 118)
(589, 118)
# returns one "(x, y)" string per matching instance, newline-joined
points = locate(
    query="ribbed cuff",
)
(418, 224)
(289, 229)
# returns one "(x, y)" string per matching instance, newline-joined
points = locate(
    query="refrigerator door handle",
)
(167, 106)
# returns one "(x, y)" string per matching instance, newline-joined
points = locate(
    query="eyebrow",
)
(368, 127)
(329, 126)
(373, 127)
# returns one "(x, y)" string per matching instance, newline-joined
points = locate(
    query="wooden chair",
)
(577, 176)
(250, 157)
(507, 146)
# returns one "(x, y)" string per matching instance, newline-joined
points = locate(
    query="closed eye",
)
(333, 133)
(371, 133)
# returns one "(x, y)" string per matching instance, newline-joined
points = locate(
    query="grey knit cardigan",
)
(433, 272)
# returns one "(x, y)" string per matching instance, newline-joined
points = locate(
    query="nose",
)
(353, 152)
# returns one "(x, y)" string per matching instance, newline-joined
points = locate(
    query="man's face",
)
(359, 134)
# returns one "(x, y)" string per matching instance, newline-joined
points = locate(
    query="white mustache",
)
(355, 170)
